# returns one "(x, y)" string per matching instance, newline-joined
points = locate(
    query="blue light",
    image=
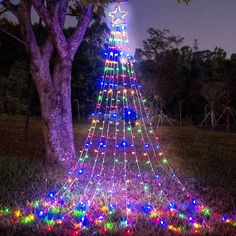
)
(111, 207)
(147, 145)
(81, 171)
(124, 143)
(124, 223)
(163, 223)
(85, 221)
(102, 144)
(194, 202)
(51, 194)
(172, 205)
(81, 207)
(39, 213)
(147, 208)
(224, 218)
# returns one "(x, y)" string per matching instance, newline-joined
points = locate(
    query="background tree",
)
(160, 69)
(204, 79)
(87, 69)
(51, 64)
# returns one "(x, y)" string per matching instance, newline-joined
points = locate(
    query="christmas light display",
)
(122, 176)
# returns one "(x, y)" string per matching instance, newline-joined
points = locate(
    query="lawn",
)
(205, 160)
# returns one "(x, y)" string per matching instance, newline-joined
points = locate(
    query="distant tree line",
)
(204, 82)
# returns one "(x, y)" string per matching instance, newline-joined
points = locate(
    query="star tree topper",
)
(118, 15)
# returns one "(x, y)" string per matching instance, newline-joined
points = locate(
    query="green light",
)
(109, 225)
(164, 161)
(153, 214)
(4, 211)
(146, 188)
(181, 216)
(78, 213)
(206, 212)
(35, 204)
(27, 219)
(55, 210)
(49, 222)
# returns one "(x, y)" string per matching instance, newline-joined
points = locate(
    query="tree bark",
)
(55, 102)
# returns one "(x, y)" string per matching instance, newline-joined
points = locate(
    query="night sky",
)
(212, 22)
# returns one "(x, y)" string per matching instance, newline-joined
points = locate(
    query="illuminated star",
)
(118, 15)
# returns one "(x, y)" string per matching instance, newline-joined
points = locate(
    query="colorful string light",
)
(122, 175)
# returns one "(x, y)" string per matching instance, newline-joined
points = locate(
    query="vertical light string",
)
(140, 175)
(111, 92)
(124, 140)
(180, 213)
(115, 160)
(100, 140)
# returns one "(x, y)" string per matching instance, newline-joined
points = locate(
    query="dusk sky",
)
(212, 22)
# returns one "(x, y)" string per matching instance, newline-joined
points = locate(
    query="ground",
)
(203, 159)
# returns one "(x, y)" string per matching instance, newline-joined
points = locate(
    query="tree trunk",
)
(58, 133)
(227, 120)
(55, 102)
(212, 117)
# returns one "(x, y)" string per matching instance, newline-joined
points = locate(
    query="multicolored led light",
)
(122, 173)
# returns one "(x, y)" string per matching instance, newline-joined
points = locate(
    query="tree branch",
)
(9, 6)
(63, 5)
(54, 21)
(77, 37)
(13, 36)
(58, 34)
(47, 49)
(42, 12)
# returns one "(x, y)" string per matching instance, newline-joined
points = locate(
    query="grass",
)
(206, 160)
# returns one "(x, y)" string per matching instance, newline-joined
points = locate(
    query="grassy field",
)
(206, 160)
